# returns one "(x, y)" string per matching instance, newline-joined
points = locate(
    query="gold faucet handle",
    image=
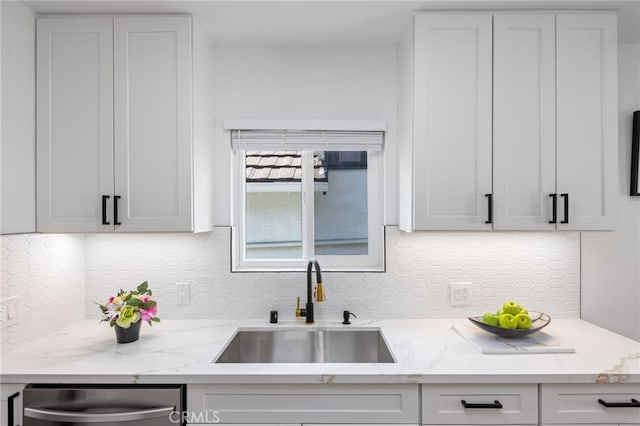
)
(320, 293)
(298, 307)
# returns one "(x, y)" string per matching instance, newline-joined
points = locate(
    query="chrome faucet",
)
(318, 293)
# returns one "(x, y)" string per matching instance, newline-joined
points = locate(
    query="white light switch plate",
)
(9, 311)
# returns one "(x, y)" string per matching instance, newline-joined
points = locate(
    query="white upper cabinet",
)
(552, 137)
(587, 129)
(524, 126)
(452, 121)
(152, 96)
(114, 126)
(74, 130)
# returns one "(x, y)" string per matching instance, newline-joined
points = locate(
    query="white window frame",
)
(374, 261)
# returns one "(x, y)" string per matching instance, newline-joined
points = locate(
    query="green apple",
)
(523, 321)
(523, 310)
(490, 319)
(499, 312)
(507, 321)
(511, 307)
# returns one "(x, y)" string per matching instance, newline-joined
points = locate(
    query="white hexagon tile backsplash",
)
(539, 270)
(47, 272)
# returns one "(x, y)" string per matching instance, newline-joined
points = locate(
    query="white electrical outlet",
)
(460, 294)
(183, 293)
(9, 311)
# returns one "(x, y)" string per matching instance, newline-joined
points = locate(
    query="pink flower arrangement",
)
(129, 307)
(148, 314)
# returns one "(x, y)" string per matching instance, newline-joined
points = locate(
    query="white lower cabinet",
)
(480, 404)
(400, 404)
(590, 404)
(319, 404)
(11, 404)
(292, 424)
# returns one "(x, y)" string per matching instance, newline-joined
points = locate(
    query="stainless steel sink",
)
(306, 346)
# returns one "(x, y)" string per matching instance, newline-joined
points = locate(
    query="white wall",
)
(611, 260)
(18, 150)
(303, 83)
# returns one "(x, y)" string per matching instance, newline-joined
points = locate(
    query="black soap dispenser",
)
(346, 316)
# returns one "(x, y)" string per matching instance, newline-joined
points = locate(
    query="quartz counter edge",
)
(426, 351)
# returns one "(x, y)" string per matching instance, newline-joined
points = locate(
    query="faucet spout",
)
(308, 311)
(313, 262)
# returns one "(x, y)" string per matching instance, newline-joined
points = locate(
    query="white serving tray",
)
(487, 343)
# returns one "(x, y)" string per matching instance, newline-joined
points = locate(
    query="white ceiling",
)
(328, 22)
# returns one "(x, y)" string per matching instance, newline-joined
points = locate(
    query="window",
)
(346, 159)
(293, 204)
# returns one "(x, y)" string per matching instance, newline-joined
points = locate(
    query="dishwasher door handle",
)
(73, 416)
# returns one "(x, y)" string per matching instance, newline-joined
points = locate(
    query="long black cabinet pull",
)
(566, 208)
(10, 412)
(489, 208)
(554, 208)
(115, 210)
(496, 404)
(634, 403)
(104, 209)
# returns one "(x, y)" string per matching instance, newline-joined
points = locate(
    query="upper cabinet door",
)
(452, 121)
(74, 124)
(524, 122)
(587, 137)
(152, 94)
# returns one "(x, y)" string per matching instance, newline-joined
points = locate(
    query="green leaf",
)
(143, 288)
(136, 303)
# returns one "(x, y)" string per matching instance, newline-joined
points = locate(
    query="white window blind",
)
(306, 136)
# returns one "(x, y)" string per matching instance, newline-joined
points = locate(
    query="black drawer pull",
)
(10, 411)
(634, 403)
(554, 208)
(489, 208)
(496, 404)
(115, 210)
(104, 209)
(566, 208)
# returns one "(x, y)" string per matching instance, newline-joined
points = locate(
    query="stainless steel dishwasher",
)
(103, 405)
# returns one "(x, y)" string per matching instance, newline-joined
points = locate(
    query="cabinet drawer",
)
(307, 403)
(442, 404)
(579, 403)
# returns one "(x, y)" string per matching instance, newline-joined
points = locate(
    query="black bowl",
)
(539, 320)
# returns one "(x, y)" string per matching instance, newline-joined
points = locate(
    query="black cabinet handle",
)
(115, 210)
(554, 208)
(496, 404)
(104, 209)
(489, 208)
(634, 403)
(10, 413)
(566, 208)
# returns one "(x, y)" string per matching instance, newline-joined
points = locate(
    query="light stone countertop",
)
(427, 351)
